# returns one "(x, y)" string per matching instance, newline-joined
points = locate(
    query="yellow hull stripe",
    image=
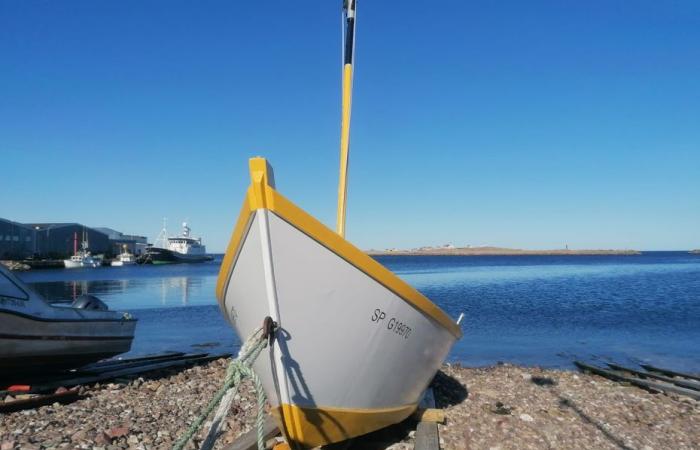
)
(261, 196)
(311, 427)
(344, 149)
(232, 251)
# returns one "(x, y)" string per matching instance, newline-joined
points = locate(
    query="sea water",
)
(533, 310)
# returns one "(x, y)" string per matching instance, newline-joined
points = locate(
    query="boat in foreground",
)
(356, 346)
(37, 336)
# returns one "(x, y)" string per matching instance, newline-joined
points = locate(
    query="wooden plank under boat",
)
(356, 345)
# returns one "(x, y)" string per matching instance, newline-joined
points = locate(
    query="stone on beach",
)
(503, 406)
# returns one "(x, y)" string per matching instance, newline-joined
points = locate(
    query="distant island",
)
(449, 250)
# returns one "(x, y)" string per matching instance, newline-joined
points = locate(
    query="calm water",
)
(535, 310)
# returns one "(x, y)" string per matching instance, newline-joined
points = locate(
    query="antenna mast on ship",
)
(85, 244)
(162, 236)
(348, 50)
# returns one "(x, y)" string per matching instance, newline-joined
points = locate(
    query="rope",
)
(240, 368)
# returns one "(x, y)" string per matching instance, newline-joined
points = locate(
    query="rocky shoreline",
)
(500, 407)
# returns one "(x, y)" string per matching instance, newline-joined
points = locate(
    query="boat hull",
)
(29, 343)
(356, 346)
(122, 263)
(69, 264)
(165, 256)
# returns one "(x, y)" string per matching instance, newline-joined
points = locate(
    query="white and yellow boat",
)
(355, 346)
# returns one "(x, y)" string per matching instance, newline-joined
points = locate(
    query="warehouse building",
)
(16, 240)
(118, 241)
(58, 240)
(48, 240)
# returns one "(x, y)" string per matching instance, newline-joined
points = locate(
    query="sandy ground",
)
(501, 407)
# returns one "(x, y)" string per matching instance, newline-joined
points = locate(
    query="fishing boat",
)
(355, 346)
(124, 259)
(38, 336)
(82, 257)
(177, 249)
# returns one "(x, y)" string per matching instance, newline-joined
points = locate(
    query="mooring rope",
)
(240, 368)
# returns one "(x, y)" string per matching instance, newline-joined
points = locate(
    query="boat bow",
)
(356, 345)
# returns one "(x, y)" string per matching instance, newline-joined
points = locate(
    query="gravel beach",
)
(500, 407)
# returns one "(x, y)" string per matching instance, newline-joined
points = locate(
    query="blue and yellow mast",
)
(348, 49)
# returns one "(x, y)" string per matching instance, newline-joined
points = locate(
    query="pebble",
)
(78, 436)
(149, 412)
(572, 408)
(116, 432)
(482, 406)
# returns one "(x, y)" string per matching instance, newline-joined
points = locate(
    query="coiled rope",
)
(238, 369)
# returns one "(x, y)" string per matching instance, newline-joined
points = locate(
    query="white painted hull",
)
(351, 354)
(70, 264)
(122, 263)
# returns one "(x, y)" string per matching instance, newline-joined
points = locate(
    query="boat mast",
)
(162, 239)
(348, 50)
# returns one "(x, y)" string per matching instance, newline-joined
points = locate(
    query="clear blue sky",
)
(523, 124)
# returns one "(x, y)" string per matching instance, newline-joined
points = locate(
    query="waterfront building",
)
(16, 240)
(56, 240)
(47, 240)
(134, 244)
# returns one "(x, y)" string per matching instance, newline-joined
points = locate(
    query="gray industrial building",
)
(118, 240)
(57, 240)
(16, 240)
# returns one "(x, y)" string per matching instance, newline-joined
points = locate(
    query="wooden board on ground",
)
(616, 376)
(671, 373)
(427, 436)
(249, 440)
(677, 381)
(427, 432)
(430, 415)
(67, 396)
(118, 372)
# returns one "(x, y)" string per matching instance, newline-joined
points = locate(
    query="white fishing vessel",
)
(124, 259)
(37, 336)
(355, 346)
(82, 257)
(177, 249)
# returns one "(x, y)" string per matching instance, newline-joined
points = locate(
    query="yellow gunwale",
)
(261, 196)
(239, 231)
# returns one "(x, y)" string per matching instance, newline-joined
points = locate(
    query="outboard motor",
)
(87, 301)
